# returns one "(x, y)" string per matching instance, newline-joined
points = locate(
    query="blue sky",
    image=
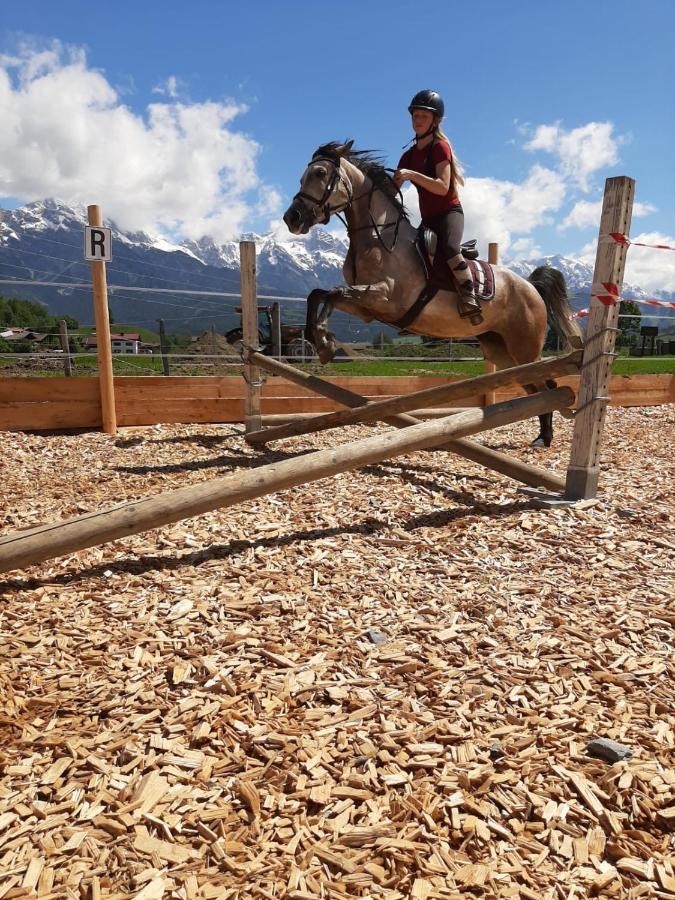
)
(202, 117)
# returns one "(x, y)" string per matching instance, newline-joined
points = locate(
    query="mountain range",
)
(42, 242)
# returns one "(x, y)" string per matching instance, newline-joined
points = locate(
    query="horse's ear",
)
(343, 149)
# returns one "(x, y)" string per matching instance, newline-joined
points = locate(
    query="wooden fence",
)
(49, 404)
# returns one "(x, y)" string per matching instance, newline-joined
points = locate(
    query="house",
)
(36, 338)
(128, 342)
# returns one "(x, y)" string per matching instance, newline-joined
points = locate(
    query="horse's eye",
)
(320, 172)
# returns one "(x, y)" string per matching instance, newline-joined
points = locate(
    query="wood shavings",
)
(381, 685)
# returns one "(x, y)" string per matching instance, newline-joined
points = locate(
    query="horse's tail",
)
(551, 285)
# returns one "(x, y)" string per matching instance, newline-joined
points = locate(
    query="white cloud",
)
(581, 151)
(496, 210)
(181, 168)
(583, 214)
(586, 213)
(168, 88)
(653, 270)
(525, 248)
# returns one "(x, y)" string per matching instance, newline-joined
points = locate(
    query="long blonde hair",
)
(457, 170)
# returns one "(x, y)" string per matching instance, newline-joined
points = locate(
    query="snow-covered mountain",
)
(43, 242)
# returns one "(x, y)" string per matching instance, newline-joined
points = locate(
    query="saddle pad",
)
(482, 273)
(439, 274)
(483, 278)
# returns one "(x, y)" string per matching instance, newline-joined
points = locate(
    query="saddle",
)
(440, 277)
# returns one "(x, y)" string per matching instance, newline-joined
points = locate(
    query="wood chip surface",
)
(201, 711)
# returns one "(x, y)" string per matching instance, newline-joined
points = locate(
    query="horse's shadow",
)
(369, 527)
(236, 460)
(201, 440)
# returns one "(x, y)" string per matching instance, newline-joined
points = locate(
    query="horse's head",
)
(324, 190)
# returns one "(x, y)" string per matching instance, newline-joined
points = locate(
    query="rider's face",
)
(422, 120)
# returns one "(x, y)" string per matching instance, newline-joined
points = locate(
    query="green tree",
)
(628, 327)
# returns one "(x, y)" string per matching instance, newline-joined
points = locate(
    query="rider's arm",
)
(439, 185)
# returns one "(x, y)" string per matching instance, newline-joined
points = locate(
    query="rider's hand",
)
(401, 175)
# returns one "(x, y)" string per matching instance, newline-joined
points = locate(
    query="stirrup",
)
(471, 311)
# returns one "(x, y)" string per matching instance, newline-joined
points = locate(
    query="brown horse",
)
(385, 275)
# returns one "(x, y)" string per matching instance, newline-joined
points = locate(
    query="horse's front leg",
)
(319, 308)
(367, 302)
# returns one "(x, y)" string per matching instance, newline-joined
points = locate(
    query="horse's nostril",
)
(292, 218)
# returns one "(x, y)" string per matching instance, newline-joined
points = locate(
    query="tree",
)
(628, 326)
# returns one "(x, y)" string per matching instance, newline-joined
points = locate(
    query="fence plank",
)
(51, 403)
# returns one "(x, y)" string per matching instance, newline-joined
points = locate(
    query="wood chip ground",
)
(380, 685)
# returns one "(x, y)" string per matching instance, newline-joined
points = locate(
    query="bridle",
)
(323, 207)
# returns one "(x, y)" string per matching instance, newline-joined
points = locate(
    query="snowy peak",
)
(44, 215)
(578, 274)
(42, 242)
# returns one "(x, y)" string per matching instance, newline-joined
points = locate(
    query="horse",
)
(384, 272)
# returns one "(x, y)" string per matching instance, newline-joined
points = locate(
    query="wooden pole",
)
(444, 393)
(276, 329)
(65, 346)
(493, 259)
(103, 345)
(583, 471)
(526, 473)
(162, 347)
(45, 542)
(249, 325)
(320, 386)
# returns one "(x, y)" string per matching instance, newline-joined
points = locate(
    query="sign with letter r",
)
(97, 243)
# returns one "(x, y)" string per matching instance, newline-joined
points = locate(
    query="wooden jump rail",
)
(526, 473)
(48, 541)
(528, 373)
(56, 539)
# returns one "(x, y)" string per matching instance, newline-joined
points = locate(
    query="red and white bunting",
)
(619, 238)
(608, 293)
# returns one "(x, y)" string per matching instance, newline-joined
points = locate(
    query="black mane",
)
(370, 164)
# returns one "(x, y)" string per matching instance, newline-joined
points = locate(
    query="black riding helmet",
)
(429, 100)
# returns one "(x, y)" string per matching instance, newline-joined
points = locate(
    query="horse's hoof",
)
(326, 353)
(541, 443)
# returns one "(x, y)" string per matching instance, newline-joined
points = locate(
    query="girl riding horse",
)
(431, 166)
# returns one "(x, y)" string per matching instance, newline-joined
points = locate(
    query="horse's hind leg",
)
(496, 351)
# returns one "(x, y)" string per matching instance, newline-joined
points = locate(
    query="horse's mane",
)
(370, 164)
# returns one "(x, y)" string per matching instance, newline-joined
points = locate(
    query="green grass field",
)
(624, 365)
(152, 365)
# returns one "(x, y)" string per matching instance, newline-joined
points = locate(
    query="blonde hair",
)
(457, 171)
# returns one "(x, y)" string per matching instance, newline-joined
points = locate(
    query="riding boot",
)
(468, 306)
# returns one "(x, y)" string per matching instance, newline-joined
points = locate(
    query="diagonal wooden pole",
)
(444, 393)
(47, 541)
(510, 466)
